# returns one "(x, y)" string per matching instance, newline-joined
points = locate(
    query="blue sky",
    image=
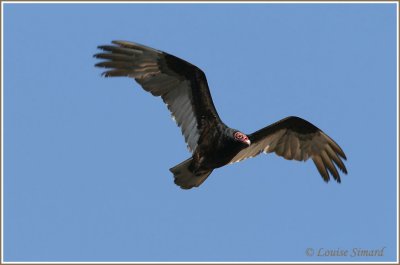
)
(86, 158)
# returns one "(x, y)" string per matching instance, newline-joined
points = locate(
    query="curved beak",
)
(247, 141)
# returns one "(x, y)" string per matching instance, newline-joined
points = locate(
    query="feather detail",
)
(178, 83)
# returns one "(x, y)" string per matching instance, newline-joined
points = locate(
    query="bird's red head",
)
(241, 137)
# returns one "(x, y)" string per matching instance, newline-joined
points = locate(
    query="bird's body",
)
(219, 151)
(215, 149)
(184, 89)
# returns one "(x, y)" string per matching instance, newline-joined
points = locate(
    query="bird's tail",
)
(185, 177)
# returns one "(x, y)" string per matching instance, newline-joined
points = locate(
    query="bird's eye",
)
(238, 135)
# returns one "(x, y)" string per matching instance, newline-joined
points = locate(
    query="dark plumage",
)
(184, 89)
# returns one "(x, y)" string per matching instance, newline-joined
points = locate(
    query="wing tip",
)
(344, 170)
(105, 74)
(100, 64)
(104, 47)
(326, 172)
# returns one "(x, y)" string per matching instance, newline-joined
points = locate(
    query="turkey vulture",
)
(183, 88)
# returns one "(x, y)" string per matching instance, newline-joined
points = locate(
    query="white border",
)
(2, 132)
(196, 2)
(397, 121)
(200, 2)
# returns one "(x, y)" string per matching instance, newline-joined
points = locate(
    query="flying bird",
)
(183, 88)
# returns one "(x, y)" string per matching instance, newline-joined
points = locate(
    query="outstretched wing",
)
(181, 85)
(295, 138)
